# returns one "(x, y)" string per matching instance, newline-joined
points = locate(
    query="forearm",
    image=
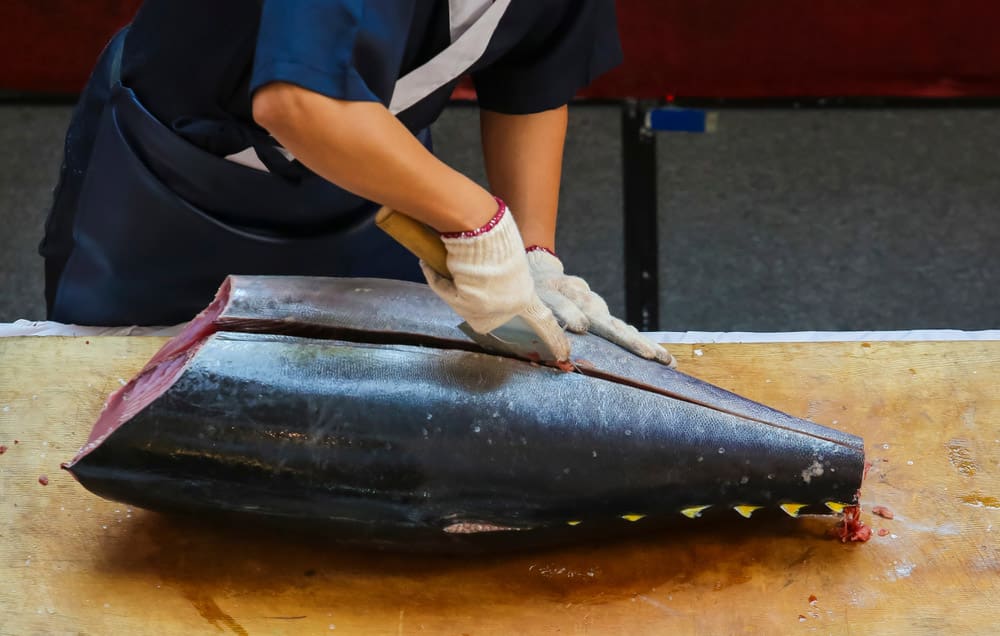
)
(363, 148)
(523, 156)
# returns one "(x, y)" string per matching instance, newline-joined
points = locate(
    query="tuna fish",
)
(359, 407)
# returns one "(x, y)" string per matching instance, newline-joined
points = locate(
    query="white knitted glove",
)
(490, 282)
(581, 310)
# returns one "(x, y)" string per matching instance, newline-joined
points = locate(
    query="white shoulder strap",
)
(462, 14)
(472, 24)
(479, 23)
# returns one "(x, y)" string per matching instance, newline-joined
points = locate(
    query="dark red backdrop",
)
(687, 48)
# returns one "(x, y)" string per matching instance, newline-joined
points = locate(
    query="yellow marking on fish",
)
(746, 511)
(836, 506)
(791, 509)
(632, 517)
(694, 511)
(574, 523)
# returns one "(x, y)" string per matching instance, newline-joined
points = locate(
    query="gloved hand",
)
(581, 310)
(490, 281)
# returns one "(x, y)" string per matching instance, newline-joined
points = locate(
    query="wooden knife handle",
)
(421, 240)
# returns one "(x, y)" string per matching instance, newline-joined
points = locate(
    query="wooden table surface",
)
(929, 413)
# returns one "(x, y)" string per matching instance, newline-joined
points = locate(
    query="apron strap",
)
(454, 60)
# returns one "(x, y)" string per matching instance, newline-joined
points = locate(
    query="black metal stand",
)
(642, 300)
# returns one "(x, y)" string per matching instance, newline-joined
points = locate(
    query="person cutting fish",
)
(262, 137)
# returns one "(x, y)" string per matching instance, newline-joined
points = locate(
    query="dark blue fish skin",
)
(394, 441)
(403, 312)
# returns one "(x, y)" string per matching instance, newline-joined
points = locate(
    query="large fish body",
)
(358, 405)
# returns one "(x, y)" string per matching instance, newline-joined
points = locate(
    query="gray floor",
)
(783, 220)
(31, 141)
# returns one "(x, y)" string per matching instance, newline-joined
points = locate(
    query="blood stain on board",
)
(43, 480)
(883, 512)
(3, 449)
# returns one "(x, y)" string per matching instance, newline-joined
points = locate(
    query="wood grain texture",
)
(929, 412)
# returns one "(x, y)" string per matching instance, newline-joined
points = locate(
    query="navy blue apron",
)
(149, 218)
(157, 223)
(57, 243)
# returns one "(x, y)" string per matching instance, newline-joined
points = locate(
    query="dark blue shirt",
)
(196, 64)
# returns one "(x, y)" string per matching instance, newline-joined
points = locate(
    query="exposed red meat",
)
(882, 532)
(158, 374)
(564, 365)
(43, 480)
(198, 329)
(3, 449)
(853, 529)
(883, 512)
(135, 396)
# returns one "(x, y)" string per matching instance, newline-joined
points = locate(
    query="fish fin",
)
(694, 511)
(746, 511)
(792, 509)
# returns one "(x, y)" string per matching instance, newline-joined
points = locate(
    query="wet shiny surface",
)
(374, 310)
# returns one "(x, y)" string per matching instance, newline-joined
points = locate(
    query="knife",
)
(515, 337)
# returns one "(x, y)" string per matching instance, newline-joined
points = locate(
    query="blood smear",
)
(43, 480)
(3, 449)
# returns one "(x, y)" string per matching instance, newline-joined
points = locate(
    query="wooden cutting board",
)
(929, 412)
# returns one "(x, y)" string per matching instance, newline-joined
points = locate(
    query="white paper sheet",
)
(46, 328)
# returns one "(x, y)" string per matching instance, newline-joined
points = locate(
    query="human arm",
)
(344, 141)
(523, 157)
(363, 148)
